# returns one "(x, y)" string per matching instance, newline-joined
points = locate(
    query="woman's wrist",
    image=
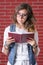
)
(35, 46)
(35, 49)
(6, 45)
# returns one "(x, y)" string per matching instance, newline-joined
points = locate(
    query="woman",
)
(23, 20)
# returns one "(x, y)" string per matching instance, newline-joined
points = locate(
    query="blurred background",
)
(6, 12)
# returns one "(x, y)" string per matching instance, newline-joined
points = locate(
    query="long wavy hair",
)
(29, 23)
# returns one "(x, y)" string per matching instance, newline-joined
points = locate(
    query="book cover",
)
(21, 38)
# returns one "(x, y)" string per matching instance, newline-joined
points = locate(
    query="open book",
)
(21, 38)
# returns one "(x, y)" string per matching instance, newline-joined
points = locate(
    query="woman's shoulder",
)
(9, 27)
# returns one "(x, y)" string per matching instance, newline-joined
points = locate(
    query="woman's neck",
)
(21, 27)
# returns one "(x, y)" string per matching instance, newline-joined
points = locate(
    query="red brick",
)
(40, 0)
(20, 1)
(2, 0)
(10, 0)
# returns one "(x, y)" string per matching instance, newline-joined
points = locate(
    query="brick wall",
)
(6, 12)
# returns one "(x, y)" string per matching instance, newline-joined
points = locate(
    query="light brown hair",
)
(29, 23)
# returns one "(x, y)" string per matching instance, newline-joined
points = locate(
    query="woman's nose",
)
(21, 16)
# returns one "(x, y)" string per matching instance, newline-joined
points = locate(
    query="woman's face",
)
(21, 16)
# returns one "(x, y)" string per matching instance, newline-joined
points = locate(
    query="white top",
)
(22, 52)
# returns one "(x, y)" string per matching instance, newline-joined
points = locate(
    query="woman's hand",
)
(10, 40)
(31, 41)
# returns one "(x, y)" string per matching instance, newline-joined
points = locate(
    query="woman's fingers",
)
(31, 41)
(10, 40)
(30, 38)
